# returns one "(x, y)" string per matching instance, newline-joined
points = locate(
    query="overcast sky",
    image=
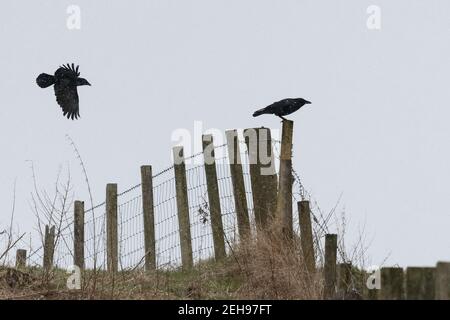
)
(377, 132)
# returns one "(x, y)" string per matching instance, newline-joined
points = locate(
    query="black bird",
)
(282, 107)
(66, 80)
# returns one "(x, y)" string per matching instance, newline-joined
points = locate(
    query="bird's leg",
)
(283, 118)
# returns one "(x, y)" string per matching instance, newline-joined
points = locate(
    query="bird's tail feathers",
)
(45, 80)
(259, 112)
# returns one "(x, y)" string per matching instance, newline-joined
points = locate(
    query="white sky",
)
(377, 130)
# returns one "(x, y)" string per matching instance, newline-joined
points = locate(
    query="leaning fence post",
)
(78, 237)
(111, 227)
(49, 247)
(21, 258)
(442, 281)
(284, 200)
(237, 179)
(149, 218)
(306, 237)
(213, 197)
(183, 208)
(330, 265)
(392, 286)
(263, 175)
(420, 283)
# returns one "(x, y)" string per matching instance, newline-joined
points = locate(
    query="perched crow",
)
(282, 107)
(66, 80)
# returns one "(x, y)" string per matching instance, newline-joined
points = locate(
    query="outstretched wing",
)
(66, 90)
(67, 97)
(67, 70)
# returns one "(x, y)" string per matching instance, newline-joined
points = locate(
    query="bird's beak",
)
(89, 84)
(307, 102)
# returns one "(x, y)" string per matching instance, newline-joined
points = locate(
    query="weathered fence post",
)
(49, 247)
(420, 283)
(183, 208)
(330, 265)
(344, 279)
(78, 237)
(284, 200)
(306, 237)
(213, 197)
(392, 286)
(21, 258)
(263, 175)
(442, 281)
(149, 218)
(237, 179)
(111, 228)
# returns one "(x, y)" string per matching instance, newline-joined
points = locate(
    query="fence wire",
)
(168, 251)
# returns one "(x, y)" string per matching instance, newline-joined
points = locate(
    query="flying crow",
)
(283, 107)
(65, 81)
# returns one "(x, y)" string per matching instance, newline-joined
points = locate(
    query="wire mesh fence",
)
(131, 250)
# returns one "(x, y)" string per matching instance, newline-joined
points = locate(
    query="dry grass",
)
(265, 268)
(274, 269)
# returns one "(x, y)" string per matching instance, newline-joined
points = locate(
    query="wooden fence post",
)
(21, 258)
(149, 218)
(78, 237)
(442, 281)
(263, 175)
(49, 247)
(213, 197)
(306, 237)
(111, 228)
(237, 179)
(183, 208)
(392, 286)
(284, 200)
(420, 283)
(330, 265)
